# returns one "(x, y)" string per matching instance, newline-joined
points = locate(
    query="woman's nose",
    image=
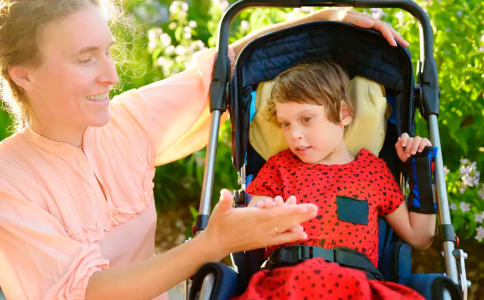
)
(109, 74)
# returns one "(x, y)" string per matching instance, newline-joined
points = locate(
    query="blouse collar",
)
(55, 146)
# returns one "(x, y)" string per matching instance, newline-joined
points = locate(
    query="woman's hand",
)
(362, 20)
(241, 229)
(346, 16)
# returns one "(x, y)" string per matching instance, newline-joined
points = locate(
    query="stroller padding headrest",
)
(367, 130)
(360, 52)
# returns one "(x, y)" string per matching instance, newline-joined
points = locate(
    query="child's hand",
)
(278, 201)
(407, 146)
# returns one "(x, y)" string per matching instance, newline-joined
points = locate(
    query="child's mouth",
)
(302, 150)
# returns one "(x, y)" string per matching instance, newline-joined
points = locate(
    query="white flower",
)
(197, 45)
(151, 45)
(161, 61)
(480, 234)
(165, 40)
(481, 48)
(464, 161)
(290, 16)
(170, 49)
(377, 13)
(180, 50)
(481, 192)
(151, 35)
(244, 25)
(400, 15)
(446, 170)
(479, 217)
(297, 10)
(192, 24)
(184, 6)
(187, 35)
(224, 4)
(482, 38)
(174, 6)
(465, 207)
(167, 66)
(453, 206)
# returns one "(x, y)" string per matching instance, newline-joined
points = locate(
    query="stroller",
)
(361, 52)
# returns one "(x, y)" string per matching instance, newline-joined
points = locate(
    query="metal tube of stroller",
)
(442, 201)
(208, 172)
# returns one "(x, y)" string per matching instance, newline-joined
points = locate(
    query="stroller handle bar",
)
(429, 104)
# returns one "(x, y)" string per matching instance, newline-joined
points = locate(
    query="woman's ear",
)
(345, 115)
(20, 75)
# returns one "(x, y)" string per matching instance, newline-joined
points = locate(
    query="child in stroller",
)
(312, 106)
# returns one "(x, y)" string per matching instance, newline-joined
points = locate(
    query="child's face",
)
(308, 131)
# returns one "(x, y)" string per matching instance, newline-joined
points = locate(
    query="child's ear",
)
(345, 114)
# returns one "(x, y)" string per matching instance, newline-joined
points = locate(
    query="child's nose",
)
(296, 133)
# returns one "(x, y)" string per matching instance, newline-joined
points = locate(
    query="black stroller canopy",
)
(361, 52)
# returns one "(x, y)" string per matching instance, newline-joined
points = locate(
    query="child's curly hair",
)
(319, 82)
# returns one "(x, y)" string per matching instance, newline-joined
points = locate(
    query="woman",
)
(77, 216)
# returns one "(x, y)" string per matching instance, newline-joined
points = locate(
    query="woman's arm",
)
(229, 230)
(150, 278)
(351, 17)
(40, 261)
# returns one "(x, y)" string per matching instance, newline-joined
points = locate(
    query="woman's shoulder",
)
(13, 149)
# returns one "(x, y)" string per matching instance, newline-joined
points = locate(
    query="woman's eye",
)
(85, 60)
(306, 119)
(284, 124)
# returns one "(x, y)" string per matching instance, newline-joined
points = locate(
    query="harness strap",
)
(346, 257)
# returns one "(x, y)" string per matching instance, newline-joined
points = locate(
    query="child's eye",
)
(284, 124)
(306, 119)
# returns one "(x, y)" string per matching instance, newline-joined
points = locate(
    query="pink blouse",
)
(66, 213)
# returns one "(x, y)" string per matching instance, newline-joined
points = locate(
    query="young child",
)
(313, 108)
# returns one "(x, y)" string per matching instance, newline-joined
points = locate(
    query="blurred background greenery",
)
(173, 31)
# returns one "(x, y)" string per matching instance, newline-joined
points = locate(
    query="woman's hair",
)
(320, 82)
(21, 22)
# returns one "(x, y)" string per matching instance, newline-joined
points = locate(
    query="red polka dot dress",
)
(350, 199)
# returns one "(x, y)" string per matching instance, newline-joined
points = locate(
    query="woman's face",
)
(70, 87)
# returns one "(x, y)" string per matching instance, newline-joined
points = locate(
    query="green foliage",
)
(174, 30)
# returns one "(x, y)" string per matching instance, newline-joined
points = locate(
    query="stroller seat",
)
(364, 53)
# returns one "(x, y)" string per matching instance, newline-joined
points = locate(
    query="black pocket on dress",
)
(352, 210)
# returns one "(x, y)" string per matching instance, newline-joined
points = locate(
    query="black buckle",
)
(304, 253)
(300, 253)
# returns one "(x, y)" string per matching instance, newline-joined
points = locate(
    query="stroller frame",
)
(427, 96)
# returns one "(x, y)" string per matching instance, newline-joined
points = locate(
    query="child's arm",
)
(415, 228)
